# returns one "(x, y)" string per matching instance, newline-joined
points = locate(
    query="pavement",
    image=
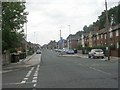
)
(86, 56)
(23, 63)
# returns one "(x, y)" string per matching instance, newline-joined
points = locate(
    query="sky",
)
(47, 17)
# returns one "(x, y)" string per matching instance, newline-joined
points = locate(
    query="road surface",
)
(64, 72)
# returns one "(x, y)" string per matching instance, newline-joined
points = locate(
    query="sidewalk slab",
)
(19, 64)
(74, 55)
(86, 56)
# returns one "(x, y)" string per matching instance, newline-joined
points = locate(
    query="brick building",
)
(99, 38)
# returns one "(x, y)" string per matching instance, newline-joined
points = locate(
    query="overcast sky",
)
(47, 17)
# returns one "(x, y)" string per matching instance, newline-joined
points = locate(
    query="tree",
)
(85, 28)
(13, 19)
(88, 29)
(101, 21)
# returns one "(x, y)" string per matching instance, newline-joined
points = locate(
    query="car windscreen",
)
(99, 50)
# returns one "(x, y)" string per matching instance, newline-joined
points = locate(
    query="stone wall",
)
(6, 58)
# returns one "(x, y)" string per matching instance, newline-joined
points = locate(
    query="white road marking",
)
(34, 81)
(36, 74)
(28, 75)
(15, 83)
(6, 71)
(35, 77)
(97, 69)
(23, 82)
(36, 71)
(38, 66)
(25, 78)
(100, 71)
(34, 85)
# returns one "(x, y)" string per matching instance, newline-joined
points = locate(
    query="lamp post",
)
(107, 29)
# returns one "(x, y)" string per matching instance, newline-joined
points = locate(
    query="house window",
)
(111, 34)
(105, 36)
(117, 45)
(97, 37)
(117, 33)
(111, 43)
(101, 35)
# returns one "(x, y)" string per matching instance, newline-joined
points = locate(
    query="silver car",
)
(38, 52)
(96, 53)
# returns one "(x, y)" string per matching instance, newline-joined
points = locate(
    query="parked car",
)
(96, 53)
(38, 52)
(70, 51)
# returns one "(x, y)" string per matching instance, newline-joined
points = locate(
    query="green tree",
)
(13, 19)
(89, 28)
(115, 12)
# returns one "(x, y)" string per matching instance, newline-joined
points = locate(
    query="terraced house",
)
(99, 38)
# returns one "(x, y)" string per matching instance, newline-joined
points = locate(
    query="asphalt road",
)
(72, 72)
(64, 72)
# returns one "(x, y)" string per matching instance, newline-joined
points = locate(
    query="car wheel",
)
(89, 56)
(94, 57)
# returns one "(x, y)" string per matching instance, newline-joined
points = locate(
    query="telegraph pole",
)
(26, 38)
(70, 36)
(107, 29)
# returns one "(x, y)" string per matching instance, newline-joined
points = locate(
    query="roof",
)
(73, 37)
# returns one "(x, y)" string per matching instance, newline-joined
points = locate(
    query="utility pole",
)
(70, 36)
(26, 38)
(60, 40)
(107, 29)
(26, 31)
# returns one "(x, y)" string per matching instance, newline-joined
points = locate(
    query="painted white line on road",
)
(97, 69)
(28, 75)
(25, 78)
(36, 71)
(100, 71)
(6, 71)
(36, 74)
(15, 83)
(35, 77)
(23, 82)
(34, 81)
(38, 66)
(34, 85)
